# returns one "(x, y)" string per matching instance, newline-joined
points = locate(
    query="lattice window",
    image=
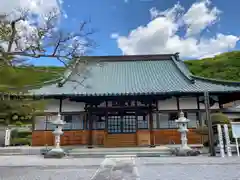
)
(114, 124)
(129, 124)
(142, 122)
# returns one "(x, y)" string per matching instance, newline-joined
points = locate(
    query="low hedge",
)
(20, 141)
(20, 134)
(24, 134)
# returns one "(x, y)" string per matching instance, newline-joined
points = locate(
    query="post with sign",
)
(236, 133)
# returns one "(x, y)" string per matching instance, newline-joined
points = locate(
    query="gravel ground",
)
(171, 168)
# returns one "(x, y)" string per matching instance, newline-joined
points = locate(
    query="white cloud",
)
(199, 16)
(160, 35)
(38, 7)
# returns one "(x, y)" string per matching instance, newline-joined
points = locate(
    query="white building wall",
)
(168, 104)
(67, 106)
(184, 103)
(188, 103)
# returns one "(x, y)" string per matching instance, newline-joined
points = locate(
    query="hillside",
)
(225, 66)
(29, 75)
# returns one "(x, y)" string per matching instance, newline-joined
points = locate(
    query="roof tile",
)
(135, 77)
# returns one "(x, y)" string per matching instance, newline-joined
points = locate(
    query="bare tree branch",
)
(44, 40)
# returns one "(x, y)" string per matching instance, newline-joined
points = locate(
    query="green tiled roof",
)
(135, 75)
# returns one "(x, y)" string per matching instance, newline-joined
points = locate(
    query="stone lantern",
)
(182, 124)
(57, 151)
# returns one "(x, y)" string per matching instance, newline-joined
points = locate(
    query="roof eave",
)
(216, 81)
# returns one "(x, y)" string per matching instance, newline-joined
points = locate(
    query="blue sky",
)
(109, 16)
(205, 28)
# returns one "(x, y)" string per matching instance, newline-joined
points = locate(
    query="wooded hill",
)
(225, 66)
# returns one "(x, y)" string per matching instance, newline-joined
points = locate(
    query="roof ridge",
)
(217, 81)
(144, 57)
(187, 76)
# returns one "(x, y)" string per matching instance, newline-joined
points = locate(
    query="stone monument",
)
(228, 143)
(184, 149)
(220, 138)
(182, 124)
(57, 151)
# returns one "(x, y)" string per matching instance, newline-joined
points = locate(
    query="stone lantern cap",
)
(182, 119)
(58, 120)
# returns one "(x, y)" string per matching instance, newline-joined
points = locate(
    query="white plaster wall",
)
(215, 106)
(67, 106)
(163, 120)
(41, 121)
(168, 104)
(188, 103)
(184, 103)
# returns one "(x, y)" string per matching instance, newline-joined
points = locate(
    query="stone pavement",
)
(165, 168)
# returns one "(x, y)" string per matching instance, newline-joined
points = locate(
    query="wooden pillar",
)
(106, 117)
(60, 105)
(178, 104)
(152, 143)
(199, 112)
(90, 126)
(220, 103)
(106, 124)
(209, 121)
(136, 121)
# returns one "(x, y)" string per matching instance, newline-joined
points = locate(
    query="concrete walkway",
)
(80, 151)
(166, 168)
(27, 161)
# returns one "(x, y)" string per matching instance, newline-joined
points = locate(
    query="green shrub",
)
(219, 118)
(18, 123)
(20, 141)
(24, 134)
(14, 133)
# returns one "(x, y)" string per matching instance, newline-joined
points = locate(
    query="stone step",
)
(119, 150)
(137, 154)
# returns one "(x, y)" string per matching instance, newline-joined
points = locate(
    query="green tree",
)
(223, 66)
(25, 38)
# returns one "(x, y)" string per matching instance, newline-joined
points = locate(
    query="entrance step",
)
(139, 152)
(120, 140)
